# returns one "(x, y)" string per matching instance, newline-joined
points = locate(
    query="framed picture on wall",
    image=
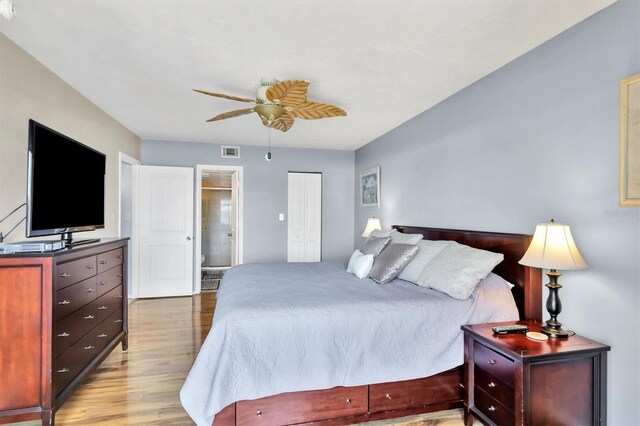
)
(630, 141)
(370, 187)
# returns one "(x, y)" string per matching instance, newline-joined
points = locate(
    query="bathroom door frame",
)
(200, 169)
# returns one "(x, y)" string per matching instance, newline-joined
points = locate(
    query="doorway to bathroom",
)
(218, 224)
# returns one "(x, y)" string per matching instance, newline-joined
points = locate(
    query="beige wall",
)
(30, 90)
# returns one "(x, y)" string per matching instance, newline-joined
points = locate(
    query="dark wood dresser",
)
(510, 379)
(61, 314)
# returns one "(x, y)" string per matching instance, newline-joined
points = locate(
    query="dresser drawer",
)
(301, 407)
(498, 413)
(494, 363)
(496, 388)
(109, 303)
(110, 259)
(72, 328)
(72, 361)
(108, 329)
(416, 393)
(72, 298)
(109, 280)
(72, 272)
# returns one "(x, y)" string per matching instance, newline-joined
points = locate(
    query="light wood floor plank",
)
(141, 386)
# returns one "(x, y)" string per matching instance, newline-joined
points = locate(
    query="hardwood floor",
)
(141, 386)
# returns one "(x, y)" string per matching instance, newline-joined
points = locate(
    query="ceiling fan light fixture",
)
(269, 112)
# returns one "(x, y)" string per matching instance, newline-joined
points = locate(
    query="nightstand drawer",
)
(495, 387)
(494, 363)
(498, 413)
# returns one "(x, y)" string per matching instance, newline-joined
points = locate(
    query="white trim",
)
(198, 219)
(133, 245)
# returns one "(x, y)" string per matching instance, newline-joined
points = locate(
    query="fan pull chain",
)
(268, 156)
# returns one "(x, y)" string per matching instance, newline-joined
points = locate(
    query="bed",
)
(292, 355)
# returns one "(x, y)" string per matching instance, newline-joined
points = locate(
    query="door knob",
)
(188, 238)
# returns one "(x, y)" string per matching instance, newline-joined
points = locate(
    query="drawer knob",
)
(461, 385)
(64, 302)
(102, 283)
(88, 348)
(491, 408)
(259, 413)
(91, 266)
(64, 275)
(89, 317)
(118, 275)
(63, 370)
(118, 256)
(102, 335)
(387, 396)
(119, 296)
(118, 320)
(88, 290)
(103, 262)
(63, 334)
(102, 308)
(491, 361)
(348, 401)
(491, 385)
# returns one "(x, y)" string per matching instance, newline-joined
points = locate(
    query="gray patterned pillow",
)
(375, 245)
(392, 261)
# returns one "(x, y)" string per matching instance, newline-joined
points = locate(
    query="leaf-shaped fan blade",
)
(222, 95)
(231, 114)
(316, 110)
(283, 123)
(289, 92)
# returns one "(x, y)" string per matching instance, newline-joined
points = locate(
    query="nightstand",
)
(510, 379)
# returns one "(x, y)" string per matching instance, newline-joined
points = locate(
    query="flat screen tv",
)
(65, 186)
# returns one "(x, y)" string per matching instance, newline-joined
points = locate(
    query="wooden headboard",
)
(528, 281)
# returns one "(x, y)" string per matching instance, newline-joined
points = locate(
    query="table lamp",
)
(552, 247)
(373, 223)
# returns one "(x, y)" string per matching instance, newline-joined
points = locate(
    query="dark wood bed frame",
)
(354, 404)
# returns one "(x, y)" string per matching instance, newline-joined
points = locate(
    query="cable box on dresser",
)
(61, 314)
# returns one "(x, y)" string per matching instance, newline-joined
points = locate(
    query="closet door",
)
(305, 217)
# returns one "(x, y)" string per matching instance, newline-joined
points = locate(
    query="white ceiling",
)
(382, 61)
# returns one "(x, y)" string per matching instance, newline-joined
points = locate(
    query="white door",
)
(166, 226)
(305, 217)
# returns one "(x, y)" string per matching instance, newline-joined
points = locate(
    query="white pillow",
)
(360, 264)
(400, 238)
(458, 269)
(428, 250)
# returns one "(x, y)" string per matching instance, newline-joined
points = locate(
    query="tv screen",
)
(66, 184)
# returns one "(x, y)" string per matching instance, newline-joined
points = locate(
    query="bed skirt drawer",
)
(442, 388)
(301, 407)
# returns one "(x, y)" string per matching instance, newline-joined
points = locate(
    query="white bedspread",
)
(302, 326)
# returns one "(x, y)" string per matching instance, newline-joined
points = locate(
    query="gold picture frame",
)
(630, 141)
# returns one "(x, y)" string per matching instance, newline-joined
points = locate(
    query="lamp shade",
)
(373, 223)
(553, 247)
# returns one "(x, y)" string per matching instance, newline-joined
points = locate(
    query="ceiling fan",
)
(278, 103)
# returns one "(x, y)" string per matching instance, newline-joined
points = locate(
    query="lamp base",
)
(553, 330)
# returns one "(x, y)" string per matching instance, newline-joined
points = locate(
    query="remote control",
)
(505, 329)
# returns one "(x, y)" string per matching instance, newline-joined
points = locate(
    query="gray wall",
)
(265, 192)
(534, 140)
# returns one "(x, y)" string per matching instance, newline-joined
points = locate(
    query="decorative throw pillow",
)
(458, 269)
(391, 261)
(428, 250)
(400, 238)
(375, 245)
(378, 233)
(360, 264)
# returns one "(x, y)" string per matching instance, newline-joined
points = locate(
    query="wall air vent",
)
(230, 152)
